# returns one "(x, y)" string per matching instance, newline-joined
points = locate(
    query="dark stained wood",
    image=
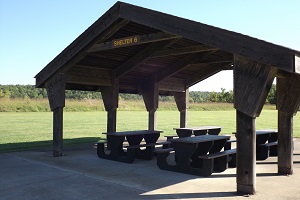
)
(184, 50)
(252, 82)
(288, 102)
(140, 57)
(285, 143)
(56, 95)
(143, 39)
(89, 76)
(110, 96)
(58, 132)
(235, 43)
(150, 93)
(172, 85)
(182, 100)
(179, 65)
(56, 91)
(246, 157)
(288, 96)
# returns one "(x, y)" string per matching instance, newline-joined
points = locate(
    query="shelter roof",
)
(132, 45)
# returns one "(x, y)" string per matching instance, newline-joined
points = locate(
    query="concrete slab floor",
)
(82, 175)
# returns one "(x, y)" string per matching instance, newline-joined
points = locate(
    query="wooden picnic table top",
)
(266, 131)
(199, 128)
(200, 138)
(262, 132)
(137, 132)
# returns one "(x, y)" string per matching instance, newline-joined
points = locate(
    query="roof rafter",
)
(134, 61)
(180, 65)
(184, 50)
(144, 39)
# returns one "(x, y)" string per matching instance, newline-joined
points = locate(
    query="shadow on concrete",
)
(194, 195)
(267, 174)
(266, 163)
(46, 144)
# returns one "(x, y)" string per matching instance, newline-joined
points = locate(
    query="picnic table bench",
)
(198, 155)
(266, 144)
(133, 150)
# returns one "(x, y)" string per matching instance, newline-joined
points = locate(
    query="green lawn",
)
(34, 129)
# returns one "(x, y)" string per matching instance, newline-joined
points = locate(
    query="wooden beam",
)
(245, 157)
(102, 29)
(56, 95)
(89, 76)
(285, 143)
(178, 66)
(288, 102)
(134, 61)
(252, 82)
(184, 50)
(172, 85)
(254, 49)
(55, 88)
(288, 94)
(214, 61)
(58, 132)
(150, 94)
(110, 96)
(143, 39)
(182, 102)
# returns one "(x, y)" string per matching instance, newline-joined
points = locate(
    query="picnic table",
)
(115, 142)
(201, 130)
(198, 155)
(266, 143)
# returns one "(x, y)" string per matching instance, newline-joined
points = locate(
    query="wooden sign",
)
(128, 41)
(297, 64)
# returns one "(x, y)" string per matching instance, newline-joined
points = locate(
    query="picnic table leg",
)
(262, 152)
(202, 149)
(221, 163)
(217, 146)
(273, 149)
(232, 161)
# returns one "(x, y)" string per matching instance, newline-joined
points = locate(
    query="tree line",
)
(30, 92)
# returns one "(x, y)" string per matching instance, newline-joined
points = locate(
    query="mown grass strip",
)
(27, 130)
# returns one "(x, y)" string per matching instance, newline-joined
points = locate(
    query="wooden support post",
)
(150, 93)
(285, 143)
(182, 100)
(288, 102)
(246, 157)
(56, 95)
(58, 132)
(252, 82)
(110, 96)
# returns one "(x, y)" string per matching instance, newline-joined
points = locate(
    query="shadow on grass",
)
(46, 144)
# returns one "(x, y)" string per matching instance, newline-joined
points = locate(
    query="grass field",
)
(27, 130)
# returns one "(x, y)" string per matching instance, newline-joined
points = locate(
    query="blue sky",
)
(33, 32)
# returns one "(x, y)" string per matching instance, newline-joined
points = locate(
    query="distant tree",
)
(271, 98)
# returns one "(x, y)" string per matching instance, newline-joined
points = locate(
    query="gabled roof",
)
(133, 44)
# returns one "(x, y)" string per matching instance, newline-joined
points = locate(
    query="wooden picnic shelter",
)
(140, 51)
